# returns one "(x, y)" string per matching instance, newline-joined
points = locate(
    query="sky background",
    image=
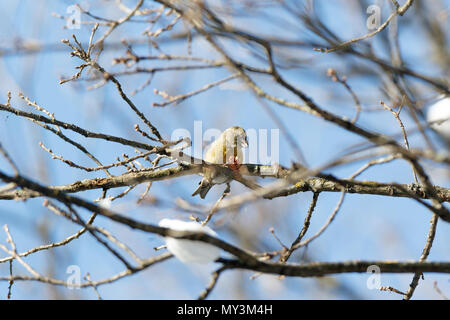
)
(367, 227)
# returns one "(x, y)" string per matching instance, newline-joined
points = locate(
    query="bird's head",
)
(237, 135)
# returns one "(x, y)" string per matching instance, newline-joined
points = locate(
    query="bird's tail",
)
(203, 188)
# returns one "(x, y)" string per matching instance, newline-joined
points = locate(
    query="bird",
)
(190, 251)
(226, 150)
(439, 116)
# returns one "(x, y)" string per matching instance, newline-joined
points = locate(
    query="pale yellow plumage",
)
(222, 149)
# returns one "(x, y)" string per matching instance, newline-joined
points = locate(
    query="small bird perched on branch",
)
(227, 150)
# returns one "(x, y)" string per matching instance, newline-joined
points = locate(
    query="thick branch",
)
(314, 184)
(316, 269)
(246, 260)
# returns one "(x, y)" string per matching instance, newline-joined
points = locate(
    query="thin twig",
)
(214, 278)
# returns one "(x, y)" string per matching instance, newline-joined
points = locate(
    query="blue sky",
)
(367, 227)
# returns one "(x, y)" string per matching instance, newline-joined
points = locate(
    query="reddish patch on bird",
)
(234, 163)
